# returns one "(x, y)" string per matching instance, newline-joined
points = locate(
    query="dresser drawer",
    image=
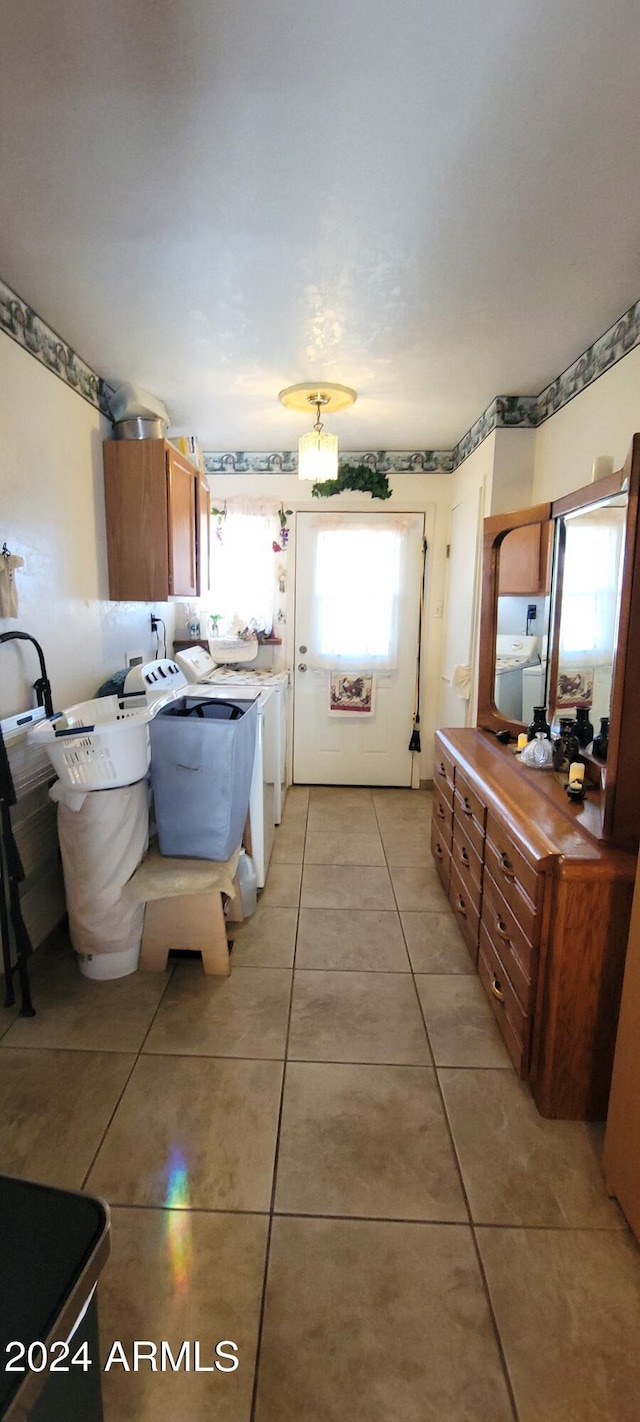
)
(444, 773)
(508, 939)
(442, 815)
(465, 910)
(512, 1021)
(508, 862)
(466, 858)
(470, 811)
(441, 853)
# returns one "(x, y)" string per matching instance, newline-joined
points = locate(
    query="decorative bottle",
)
(601, 741)
(539, 723)
(584, 727)
(566, 748)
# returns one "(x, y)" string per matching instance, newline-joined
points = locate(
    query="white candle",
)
(576, 772)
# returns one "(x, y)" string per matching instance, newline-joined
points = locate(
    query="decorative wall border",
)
(383, 461)
(23, 324)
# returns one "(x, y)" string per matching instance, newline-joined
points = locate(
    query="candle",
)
(576, 772)
(522, 740)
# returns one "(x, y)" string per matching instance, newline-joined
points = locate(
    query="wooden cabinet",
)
(157, 509)
(544, 909)
(524, 561)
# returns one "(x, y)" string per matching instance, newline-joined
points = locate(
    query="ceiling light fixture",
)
(317, 451)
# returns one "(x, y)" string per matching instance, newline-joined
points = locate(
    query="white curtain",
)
(356, 583)
(243, 565)
(590, 587)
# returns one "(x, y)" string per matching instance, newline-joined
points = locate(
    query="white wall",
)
(52, 515)
(601, 420)
(428, 493)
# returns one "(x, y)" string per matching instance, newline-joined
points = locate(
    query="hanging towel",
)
(461, 681)
(8, 590)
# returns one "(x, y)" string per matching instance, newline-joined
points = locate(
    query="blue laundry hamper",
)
(202, 756)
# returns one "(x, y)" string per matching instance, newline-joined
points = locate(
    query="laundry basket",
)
(202, 756)
(99, 744)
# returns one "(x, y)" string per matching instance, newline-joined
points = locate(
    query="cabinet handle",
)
(505, 865)
(496, 989)
(501, 928)
(461, 907)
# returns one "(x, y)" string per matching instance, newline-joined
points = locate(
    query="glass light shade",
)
(318, 456)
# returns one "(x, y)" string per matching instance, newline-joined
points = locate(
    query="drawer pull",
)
(442, 769)
(440, 811)
(501, 928)
(505, 864)
(467, 806)
(438, 851)
(464, 856)
(461, 906)
(496, 989)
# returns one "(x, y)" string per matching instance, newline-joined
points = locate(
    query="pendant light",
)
(317, 451)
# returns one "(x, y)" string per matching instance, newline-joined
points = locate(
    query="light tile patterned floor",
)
(328, 1159)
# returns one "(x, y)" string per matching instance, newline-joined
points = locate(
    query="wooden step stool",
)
(184, 912)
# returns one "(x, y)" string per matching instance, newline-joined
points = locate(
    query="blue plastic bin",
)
(202, 755)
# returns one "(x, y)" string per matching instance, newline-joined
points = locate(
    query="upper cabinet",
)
(524, 568)
(588, 631)
(157, 508)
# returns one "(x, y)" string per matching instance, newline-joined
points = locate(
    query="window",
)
(590, 585)
(355, 603)
(243, 566)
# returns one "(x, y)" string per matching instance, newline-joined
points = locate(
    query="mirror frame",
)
(496, 528)
(620, 777)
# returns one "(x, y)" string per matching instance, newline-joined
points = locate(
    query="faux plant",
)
(283, 515)
(219, 515)
(359, 477)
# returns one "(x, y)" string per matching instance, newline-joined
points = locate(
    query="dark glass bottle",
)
(584, 727)
(601, 741)
(539, 723)
(566, 747)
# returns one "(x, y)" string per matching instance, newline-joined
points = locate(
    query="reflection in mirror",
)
(522, 624)
(590, 607)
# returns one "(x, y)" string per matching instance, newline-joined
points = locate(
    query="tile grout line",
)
(134, 1064)
(267, 1255)
(458, 1166)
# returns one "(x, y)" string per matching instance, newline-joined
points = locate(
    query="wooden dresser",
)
(544, 907)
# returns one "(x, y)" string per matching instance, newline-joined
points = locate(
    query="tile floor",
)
(328, 1159)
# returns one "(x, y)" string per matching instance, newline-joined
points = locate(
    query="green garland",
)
(359, 477)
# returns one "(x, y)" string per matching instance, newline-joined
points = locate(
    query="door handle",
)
(302, 666)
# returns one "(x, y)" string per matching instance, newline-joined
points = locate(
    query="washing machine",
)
(165, 679)
(199, 666)
(534, 686)
(513, 655)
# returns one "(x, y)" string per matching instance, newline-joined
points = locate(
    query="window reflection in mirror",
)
(522, 626)
(591, 584)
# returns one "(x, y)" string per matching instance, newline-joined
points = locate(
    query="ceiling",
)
(434, 201)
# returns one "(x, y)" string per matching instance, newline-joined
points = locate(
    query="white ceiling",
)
(434, 201)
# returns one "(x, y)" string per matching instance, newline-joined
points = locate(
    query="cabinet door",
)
(520, 561)
(204, 534)
(182, 503)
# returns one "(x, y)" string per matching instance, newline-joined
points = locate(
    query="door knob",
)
(302, 666)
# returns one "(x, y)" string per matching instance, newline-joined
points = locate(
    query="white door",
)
(461, 609)
(358, 579)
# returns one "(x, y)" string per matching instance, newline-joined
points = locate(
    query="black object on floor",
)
(53, 1246)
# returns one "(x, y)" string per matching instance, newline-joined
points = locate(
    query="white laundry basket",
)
(99, 744)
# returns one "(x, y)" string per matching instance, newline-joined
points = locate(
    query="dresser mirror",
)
(589, 563)
(588, 624)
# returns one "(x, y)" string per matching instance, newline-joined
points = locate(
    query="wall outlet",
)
(134, 659)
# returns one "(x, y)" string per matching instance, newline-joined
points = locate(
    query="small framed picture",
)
(575, 687)
(351, 693)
